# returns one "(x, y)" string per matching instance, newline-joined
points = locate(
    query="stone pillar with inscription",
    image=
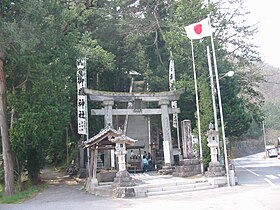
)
(187, 139)
(108, 121)
(189, 165)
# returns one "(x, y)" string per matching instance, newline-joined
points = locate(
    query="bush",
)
(19, 197)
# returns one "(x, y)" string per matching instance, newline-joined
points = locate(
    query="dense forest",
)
(40, 41)
(271, 108)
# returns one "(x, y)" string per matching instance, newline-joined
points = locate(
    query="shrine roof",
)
(102, 138)
(124, 139)
(97, 95)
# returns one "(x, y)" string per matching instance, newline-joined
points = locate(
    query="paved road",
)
(258, 170)
(254, 192)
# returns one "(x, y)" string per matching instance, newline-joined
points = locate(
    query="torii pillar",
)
(108, 121)
(108, 117)
(166, 132)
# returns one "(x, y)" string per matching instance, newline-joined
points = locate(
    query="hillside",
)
(270, 88)
(271, 85)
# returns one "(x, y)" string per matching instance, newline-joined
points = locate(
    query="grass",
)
(19, 197)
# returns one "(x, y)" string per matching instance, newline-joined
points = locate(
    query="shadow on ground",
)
(56, 177)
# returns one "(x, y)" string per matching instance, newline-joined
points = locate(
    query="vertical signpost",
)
(82, 111)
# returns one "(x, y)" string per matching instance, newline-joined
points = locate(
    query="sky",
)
(267, 15)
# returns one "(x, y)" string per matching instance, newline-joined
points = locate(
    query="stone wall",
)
(246, 147)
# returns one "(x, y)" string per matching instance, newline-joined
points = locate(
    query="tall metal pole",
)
(221, 109)
(149, 123)
(86, 108)
(213, 99)
(197, 109)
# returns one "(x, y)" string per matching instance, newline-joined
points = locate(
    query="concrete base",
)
(218, 181)
(215, 170)
(106, 176)
(166, 170)
(187, 168)
(123, 179)
(91, 184)
(119, 192)
(123, 192)
(232, 178)
(140, 191)
(123, 186)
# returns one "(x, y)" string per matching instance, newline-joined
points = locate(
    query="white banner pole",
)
(213, 98)
(197, 108)
(82, 107)
(221, 108)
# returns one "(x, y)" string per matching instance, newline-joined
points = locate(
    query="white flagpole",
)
(221, 107)
(213, 98)
(197, 108)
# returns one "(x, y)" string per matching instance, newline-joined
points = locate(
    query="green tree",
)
(272, 115)
(224, 19)
(42, 40)
(42, 48)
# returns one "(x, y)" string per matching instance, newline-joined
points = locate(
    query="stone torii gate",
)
(163, 99)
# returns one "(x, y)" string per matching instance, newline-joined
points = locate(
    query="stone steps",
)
(151, 184)
(157, 185)
(178, 189)
(137, 126)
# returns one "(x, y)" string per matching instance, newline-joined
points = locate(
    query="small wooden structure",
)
(106, 139)
(101, 141)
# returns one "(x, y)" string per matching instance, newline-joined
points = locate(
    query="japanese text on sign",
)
(81, 98)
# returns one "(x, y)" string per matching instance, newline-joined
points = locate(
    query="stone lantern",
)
(120, 153)
(214, 169)
(123, 183)
(213, 143)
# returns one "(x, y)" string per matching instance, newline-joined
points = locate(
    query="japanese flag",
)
(199, 30)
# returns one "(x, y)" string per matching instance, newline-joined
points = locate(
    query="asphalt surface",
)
(66, 194)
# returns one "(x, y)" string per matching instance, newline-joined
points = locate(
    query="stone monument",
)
(189, 165)
(214, 169)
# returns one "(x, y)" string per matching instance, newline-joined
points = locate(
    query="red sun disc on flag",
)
(198, 29)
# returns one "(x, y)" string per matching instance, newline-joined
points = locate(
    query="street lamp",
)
(229, 74)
